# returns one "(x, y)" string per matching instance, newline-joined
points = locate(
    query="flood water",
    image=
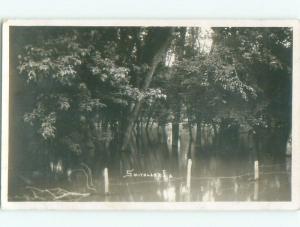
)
(153, 174)
(232, 181)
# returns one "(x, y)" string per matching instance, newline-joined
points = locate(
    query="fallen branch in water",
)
(55, 194)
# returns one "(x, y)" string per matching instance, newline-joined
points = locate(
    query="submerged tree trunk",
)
(215, 136)
(151, 110)
(161, 46)
(175, 138)
(198, 136)
(176, 132)
(138, 135)
(191, 139)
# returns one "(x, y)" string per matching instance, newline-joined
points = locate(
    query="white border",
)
(295, 202)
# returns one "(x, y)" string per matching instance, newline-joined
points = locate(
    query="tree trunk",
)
(152, 108)
(157, 58)
(138, 135)
(165, 141)
(175, 138)
(175, 131)
(149, 142)
(198, 136)
(216, 136)
(189, 154)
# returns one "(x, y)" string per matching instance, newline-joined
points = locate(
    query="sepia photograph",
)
(158, 115)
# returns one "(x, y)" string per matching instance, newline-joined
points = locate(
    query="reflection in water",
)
(215, 176)
(270, 187)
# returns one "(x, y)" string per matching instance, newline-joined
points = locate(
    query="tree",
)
(85, 81)
(159, 42)
(262, 58)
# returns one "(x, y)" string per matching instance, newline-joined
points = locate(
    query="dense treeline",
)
(91, 95)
